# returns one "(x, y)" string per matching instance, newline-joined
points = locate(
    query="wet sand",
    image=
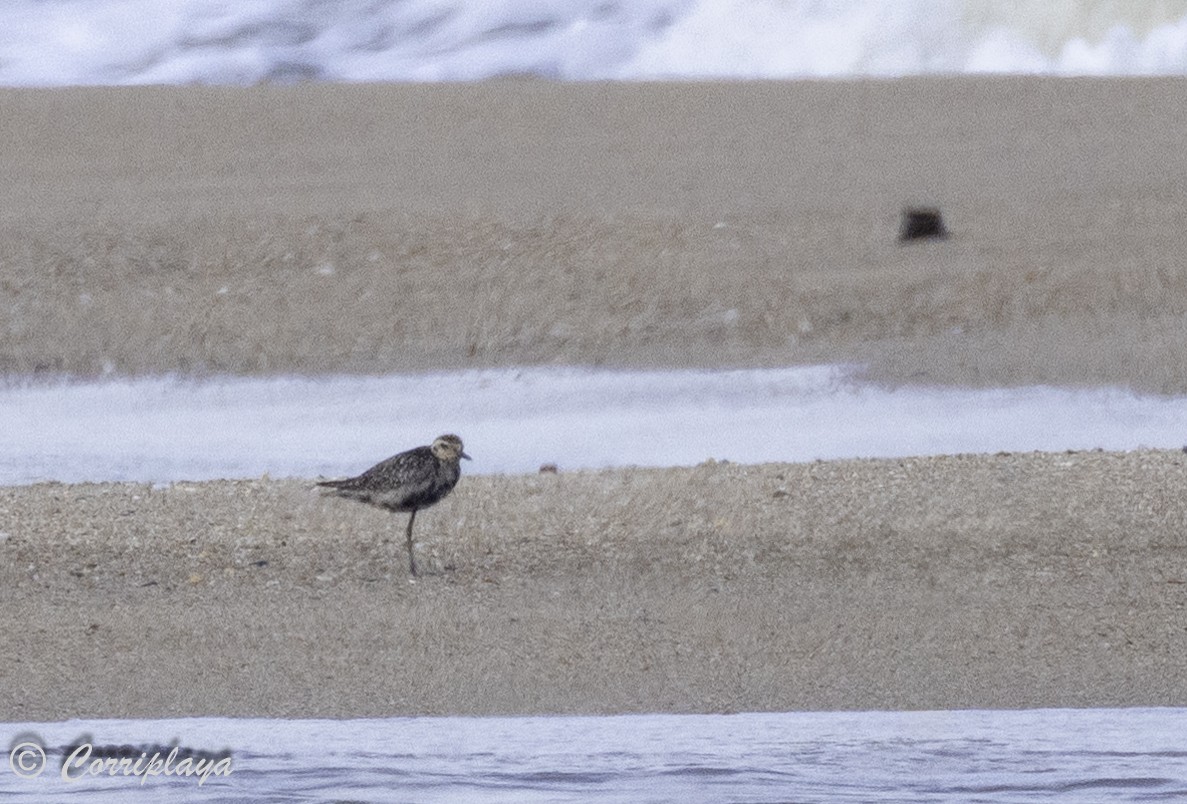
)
(387, 228)
(372, 229)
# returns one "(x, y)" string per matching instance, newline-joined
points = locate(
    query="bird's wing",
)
(412, 469)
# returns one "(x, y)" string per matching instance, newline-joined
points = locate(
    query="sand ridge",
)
(1013, 580)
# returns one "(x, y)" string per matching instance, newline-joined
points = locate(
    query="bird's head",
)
(449, 448)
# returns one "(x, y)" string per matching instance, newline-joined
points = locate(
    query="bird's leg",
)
(408, 535)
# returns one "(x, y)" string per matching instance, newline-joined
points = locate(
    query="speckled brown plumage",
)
(407, 482)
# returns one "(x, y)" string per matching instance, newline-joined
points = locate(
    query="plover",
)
(407, 482)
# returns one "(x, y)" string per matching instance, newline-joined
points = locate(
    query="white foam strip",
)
(166, 429)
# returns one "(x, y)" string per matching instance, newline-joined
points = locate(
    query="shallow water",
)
(987, 756)
(515, 420)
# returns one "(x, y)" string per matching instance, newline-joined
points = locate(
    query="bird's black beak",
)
(467, 457)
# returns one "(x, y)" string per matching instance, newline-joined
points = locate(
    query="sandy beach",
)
(957, 582)
(368, 229)
(376, 229)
